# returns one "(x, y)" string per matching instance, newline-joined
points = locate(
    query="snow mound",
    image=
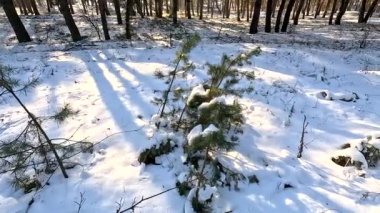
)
(327, 95)
(197, 91)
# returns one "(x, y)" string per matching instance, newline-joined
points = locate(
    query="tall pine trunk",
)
(300, 6)
(34, 6)
(362, 11)
(371, 9)
(268, 16)
(103, 18)
(279, 16)
(255, 18)
(342, 10)
(19, 28)
(287, 15)
(116, 3)
(188, 4)
(65, 10)
(128, 9)
(332, 12)
(174, 11)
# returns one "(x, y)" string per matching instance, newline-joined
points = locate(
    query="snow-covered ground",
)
(113, 84)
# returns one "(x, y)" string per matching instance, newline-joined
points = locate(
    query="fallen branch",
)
(300, 148)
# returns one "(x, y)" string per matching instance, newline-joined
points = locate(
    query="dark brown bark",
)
(34, 6)
(103, 18)
(200, 9)
(188, 4)
(327, 8)
(268, 16)
(84, 6)
(128, 10)
(174, 11)
(362, 11)
(64, 8)
(371, 9)
(238, 10)
(332, 12)
(255, 18)
(287, 16)
(139, 8)
(15, 21)
(279, 16)
(300, 6)
(71, 6)
(116, 4)
(342, 10)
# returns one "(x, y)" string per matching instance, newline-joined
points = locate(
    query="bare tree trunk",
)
(342, 10)
(287, 15)
(103, 17)
(15, 21)
(128, 9)
(238, 10)
(300, 6)
(200, 9)
(71, 6)
(332, 12)
(327, 8)
(188, 2)
(174, 11)
(116, 4)
(64, 8)
(371, 9)
(308, 8)
(362, 11)
(255, 18)
(29, 6)
(34, 6)
(139, 8)
(279, 16)
(84, 6)
(268, 16)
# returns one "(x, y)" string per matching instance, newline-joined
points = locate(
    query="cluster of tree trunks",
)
(248, 9)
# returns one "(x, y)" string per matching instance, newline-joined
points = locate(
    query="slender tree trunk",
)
(128, 9)
(139, 8)
(71, 6)
(84, 6)
(279, 16)
(327, 8)
(22, 2)
(64, 8)
(200, 9)
(362, 11)
(15, 21)
(274, 5)
(103, 18)
(332, 12)
(300, 6)
(34, 6)
(268, 16)
(248, 11)
(238, 10)
(106, 9)
(371, 9)
(188, 2)
(342, 10)
(287, 16)
(255, 18)
(116, 4)
(174, 11)
(29, 6)
(308, 8)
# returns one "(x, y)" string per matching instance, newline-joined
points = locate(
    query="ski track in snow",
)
(113, 89)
